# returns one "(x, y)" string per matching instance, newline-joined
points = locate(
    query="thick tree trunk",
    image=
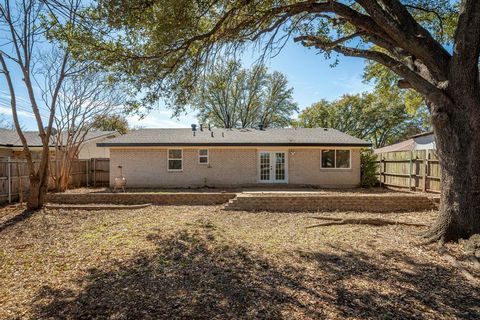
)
(36, 194)
(39, 184)
(457, 135)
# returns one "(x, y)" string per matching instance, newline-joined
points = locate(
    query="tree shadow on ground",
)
(194, 276)
(16, 219)
(188, 277)
(393, 285)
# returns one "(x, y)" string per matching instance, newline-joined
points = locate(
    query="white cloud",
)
(353, 83)
(162, 119)
(8, 112)
(155, 121)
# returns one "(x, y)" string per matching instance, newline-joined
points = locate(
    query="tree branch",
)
(13, 104)
(415, 79)
(439, 17)
(467, 40)
(399, 24)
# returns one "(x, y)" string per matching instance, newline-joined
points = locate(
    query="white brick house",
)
(236, 157)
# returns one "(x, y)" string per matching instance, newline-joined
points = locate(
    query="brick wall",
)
(198, 198)
(147, 168)
(370, 203)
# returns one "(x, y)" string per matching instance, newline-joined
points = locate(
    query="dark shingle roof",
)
(10, 138)
(235, 137)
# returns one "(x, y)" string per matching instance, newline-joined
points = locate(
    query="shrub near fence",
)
(14, 176)
(415, 170)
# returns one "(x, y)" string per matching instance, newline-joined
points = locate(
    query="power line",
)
(22, 108)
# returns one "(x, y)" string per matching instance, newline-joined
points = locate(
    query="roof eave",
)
(224, 144)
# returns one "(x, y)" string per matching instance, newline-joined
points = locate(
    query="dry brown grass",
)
(203, 262)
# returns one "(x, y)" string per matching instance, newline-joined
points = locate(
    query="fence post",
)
(425, 170)
(380, 163)
(9, 164)
(410, 171)
(87, 173)
(95, 172)
(20, 186)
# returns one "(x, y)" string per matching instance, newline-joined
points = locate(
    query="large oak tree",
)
(163, 47)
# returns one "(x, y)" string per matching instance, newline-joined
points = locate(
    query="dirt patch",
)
(203, 262)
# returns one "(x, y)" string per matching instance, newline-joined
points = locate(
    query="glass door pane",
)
(264, 166)
(280, 166)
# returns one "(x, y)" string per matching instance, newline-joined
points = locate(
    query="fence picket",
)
(14, 183)
(404, 169)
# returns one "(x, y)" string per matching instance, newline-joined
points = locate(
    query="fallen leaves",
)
(203, 262)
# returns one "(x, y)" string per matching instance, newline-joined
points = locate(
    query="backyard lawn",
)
(203, 262)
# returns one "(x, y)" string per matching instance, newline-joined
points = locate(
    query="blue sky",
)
(308, 73)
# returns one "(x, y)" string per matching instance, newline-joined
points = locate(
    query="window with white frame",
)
(175, 160)
(203, 156)
(335, 159)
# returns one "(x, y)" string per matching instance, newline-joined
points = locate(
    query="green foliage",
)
(385, 82)
(111, 123)
(234, 97)
(375, 117)
(368, 168)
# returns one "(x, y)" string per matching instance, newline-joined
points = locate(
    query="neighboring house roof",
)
(407, 145)
(235, 137)
(10, 138)
(422, 141)
(422, 134)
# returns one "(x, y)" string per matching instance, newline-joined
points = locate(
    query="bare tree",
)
(23, 37)
(83, 97)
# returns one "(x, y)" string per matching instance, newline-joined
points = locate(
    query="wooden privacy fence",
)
(415, 170)
(14, 176)
(100, 172)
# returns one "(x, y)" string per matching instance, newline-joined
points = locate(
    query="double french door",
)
(273, 167)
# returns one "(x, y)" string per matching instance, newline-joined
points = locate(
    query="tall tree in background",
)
(110, 122)
(169, 48)
(234, 97)
(24, 36)
(382, 120)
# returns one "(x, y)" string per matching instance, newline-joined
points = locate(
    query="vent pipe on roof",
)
(201, 127)
(194, 127)
(223, 134)
(209, 127)
(212, 133)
